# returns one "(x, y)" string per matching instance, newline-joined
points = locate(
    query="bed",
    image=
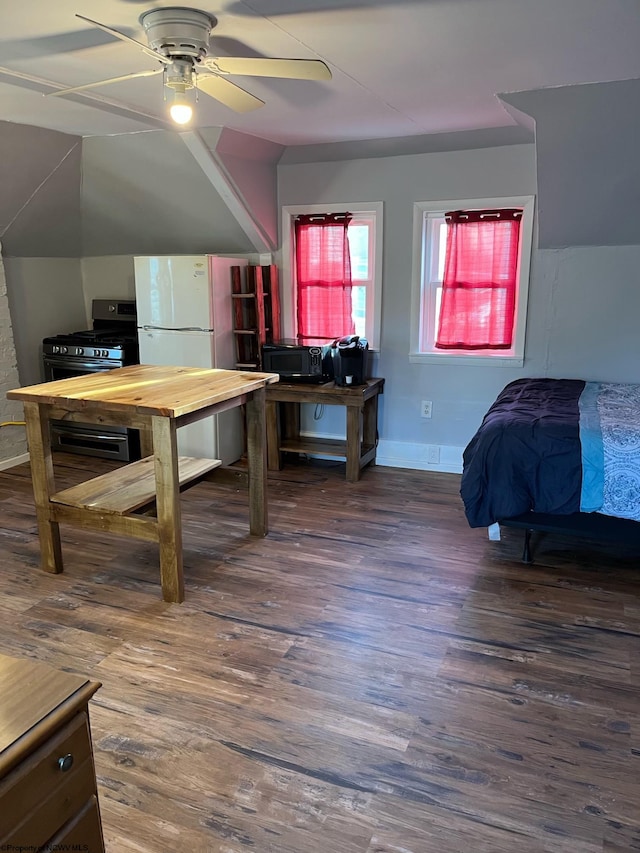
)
(558, 455)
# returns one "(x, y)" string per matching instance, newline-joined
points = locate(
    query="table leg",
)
(168, 508)
(146, 442)
(370, 423)
(274, 457)
(290, 420)
(353, 444)
(257, 463)
(39, 441)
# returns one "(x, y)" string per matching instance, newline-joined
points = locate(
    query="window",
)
(365, 249)
(323, 276)
(430, 251)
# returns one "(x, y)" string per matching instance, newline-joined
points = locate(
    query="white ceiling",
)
(401, 68)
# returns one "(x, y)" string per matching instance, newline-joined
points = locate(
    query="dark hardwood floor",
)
(373, 677)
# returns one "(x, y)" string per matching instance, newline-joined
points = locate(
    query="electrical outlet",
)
(433, 454)
(425, 410)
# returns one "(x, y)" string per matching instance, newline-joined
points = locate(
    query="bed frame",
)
(586, 525)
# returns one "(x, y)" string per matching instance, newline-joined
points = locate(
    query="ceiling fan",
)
(178, 38)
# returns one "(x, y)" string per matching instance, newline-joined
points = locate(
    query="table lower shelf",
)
(129, 488)
(333, 447)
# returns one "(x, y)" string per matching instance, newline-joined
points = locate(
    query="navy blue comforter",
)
(526, 455)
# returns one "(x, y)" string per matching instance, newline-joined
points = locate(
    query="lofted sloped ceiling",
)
(588, 168)
(40, 198)
(144, 193)
(242, 169)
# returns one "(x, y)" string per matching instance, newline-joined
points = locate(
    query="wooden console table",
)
(48, 794)
(283, 422)
(141, 499)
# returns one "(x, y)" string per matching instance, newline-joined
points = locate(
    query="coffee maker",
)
(350, 360)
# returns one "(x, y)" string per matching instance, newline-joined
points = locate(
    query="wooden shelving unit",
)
(358, 449)
(256, 312)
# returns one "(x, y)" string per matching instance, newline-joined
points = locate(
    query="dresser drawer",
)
(39, 796)
(83, 832)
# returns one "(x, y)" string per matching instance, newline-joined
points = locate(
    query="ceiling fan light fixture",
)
(179, 38)
(181, 110)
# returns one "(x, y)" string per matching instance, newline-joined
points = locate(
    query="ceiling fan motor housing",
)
(178, 32)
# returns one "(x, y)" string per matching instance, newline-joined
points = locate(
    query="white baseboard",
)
(394, 454)
(406, 454)
(16, 460)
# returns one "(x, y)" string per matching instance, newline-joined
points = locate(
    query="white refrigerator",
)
(184, 310)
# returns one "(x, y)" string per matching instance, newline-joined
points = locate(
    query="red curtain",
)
(323, 273)
(480, 279)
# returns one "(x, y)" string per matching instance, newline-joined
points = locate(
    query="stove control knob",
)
(79, 351)
(96, 353)
(55, 348)
(105, 353)
(64, 350)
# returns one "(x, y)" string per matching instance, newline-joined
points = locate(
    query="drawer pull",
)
(66, 762)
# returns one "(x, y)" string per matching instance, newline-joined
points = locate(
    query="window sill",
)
(466, 360)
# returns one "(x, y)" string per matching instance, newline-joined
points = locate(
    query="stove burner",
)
(113, 343)
(113, 337)
(115, 346)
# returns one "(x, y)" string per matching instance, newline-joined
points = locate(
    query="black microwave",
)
(298, 362)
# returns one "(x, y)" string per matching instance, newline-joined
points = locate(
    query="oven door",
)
(59, 367)
(106, 441)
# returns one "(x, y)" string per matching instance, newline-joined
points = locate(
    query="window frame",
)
(423, 293)
(371, 210)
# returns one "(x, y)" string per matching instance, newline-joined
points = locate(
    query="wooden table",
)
(283, 422)
(141, 499)
(48, 793)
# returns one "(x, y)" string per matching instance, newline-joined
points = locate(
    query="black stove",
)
(113, 336)
(111, 343)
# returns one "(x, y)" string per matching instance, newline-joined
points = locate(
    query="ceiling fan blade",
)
(104, 82)
(294, 69)
(228, 93)
(123, 37)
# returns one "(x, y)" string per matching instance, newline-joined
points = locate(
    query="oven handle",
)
(91, 436)
(85, 366)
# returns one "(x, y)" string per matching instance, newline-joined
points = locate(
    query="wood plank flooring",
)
(372, 677)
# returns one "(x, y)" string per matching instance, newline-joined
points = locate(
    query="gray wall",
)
(582, 302)
(145, 193)
(45, 298)
(591, 324)
(40, 235)
(12, 434)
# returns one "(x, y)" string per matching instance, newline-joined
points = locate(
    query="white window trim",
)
(289, 212)
(514, 358)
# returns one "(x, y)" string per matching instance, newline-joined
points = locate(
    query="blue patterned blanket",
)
(610, 440)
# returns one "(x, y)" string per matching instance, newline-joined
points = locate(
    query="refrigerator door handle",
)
(174, 329)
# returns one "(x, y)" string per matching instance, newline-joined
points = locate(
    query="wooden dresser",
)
(48, 793)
